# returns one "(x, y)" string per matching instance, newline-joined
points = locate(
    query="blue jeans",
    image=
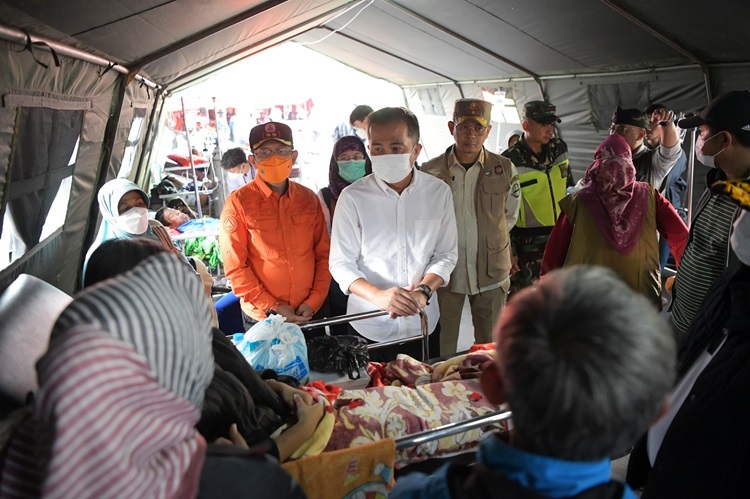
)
(663, 254)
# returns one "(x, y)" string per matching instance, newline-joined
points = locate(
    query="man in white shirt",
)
(394, 239)
(237, 166)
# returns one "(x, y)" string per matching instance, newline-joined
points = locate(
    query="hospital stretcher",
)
(485, 420)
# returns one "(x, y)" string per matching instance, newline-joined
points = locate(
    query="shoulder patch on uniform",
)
(515, 188)
(229, 221)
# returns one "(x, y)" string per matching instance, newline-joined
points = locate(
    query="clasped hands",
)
(400, 302)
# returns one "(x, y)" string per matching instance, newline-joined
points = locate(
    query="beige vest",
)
(639, 269)
(493, 252)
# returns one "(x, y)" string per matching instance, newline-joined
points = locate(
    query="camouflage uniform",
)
(529, 237)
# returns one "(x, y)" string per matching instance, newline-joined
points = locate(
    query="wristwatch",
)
(424, 288)
(273, 310)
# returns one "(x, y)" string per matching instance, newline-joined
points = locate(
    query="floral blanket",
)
(408, 371)
(370, 414)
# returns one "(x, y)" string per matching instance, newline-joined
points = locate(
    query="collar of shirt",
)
(453, 161)
(266, 190)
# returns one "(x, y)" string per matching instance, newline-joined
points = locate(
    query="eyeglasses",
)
(357, 156)
(264, 154)
(464, 128)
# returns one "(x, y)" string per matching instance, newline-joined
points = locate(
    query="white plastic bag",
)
(278, 345)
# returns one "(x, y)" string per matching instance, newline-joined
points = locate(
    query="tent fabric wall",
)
(578, 51)
(49, 260)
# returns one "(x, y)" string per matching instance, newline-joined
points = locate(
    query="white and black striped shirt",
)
(704, 259)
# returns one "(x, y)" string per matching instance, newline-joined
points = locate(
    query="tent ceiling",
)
(405, 41)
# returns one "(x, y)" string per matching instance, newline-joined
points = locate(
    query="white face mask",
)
(133, 221)
(391, 168)
(740, 239)
(705, 159)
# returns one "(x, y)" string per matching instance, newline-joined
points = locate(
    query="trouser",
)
(530, 251)
(411, 348)
(338, 301)
(485, 307)
(230, 314)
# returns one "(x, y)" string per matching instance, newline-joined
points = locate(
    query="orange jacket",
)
(275, 248)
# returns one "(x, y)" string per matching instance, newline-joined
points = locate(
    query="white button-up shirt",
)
(393, 240)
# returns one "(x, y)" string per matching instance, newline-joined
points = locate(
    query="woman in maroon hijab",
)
(613, 221)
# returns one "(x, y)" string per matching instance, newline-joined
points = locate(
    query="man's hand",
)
(668, 285)
(305, 310)
(420, 298)
(291, 316)
(514, 267)
(287, 393)
(398, 301)
(661, 115)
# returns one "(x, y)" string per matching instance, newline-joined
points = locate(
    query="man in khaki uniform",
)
(486, 199)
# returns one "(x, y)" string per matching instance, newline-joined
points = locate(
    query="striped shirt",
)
(704, 259)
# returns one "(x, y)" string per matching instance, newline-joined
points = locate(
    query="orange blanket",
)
(361, 471)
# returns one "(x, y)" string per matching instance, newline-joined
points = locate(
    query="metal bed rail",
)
(452, 428)
(342, 319)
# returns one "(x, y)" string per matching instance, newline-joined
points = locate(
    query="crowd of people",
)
(583, 358)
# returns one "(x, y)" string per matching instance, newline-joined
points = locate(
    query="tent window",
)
(432, 104)
(131, 146)
(39, 178)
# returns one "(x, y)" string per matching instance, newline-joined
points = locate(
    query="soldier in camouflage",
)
(544, 176)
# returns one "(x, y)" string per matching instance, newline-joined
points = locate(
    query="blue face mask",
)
(352, 170)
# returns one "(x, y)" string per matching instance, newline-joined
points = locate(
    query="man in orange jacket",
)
(273, 235)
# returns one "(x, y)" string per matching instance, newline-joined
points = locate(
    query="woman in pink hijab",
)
(613, 221)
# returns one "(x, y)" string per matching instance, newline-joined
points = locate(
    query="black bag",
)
(342, 354)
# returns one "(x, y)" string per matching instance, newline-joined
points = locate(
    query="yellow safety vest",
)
(540, 193)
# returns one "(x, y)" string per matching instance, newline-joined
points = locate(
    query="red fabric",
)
(617, 202)
(481, 346)
(558, 243)
(671, 227)
(318, 388)
(184, 161)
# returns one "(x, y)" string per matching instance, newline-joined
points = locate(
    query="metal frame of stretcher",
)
(343, 319)
(434, 433)
(452, 428)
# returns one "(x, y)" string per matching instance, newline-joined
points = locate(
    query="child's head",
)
(584, 363)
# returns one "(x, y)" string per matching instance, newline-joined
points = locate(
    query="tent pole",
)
(21, 37)
(665, 39)
(472, 44)
(690, 173)
(402, 59)
(239, 55)
(190, 158)
(195, 37)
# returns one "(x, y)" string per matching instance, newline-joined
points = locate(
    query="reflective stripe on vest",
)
(540, 193)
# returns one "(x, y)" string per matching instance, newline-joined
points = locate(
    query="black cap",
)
(541, 111)
(633, 117)
(270, 131)
(729, 111)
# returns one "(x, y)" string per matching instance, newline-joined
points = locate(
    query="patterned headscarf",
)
(617, 202)
(121, 388)
(347, 143)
